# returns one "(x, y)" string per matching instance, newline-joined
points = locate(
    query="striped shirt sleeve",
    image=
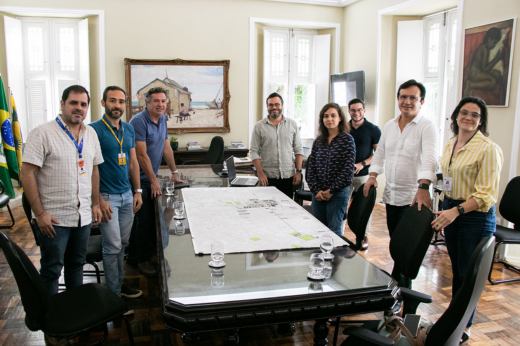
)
(488, 177)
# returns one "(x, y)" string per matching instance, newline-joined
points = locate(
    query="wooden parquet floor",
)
(496, 321)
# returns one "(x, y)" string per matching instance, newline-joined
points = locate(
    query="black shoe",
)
(147, 269)
(129, 292)
(465, 337)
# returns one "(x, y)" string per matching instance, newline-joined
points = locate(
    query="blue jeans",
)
(331, 213)
(67, 249)
(462, 237)
(116, 234)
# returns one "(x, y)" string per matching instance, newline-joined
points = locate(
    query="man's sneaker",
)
(129, 312)
(129, 292)
(147, 268)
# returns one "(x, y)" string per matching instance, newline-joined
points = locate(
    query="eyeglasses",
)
(412, 98)
(465, 113)
(360, 110)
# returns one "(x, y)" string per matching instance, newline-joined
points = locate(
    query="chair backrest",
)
(449, 328)
(359, 212)
(27, 209)
(215, 152)
(509, 206)
(34, 294)
(411, 239)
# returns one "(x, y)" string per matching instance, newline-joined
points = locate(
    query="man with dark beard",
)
(366, 136)
(117, 202)
(275, 145)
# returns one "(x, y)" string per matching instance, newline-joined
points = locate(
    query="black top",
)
(365, 137)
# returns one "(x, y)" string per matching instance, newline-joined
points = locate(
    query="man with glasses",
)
(408, 152)
(273, 143)
(366, 136)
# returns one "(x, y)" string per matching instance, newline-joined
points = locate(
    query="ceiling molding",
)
(334, 3)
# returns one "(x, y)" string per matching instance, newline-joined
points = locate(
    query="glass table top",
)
(189, 280)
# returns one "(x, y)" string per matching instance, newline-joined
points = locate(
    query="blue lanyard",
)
(80, 146)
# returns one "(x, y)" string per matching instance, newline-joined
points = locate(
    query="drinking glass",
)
(170, 188)
(326, 245)
(217, 277)
(179, 228)
(217, 255)
(179, 211)
(316, 264)
(170, 202)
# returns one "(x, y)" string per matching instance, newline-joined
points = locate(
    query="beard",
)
(273, 115)
(109, 112)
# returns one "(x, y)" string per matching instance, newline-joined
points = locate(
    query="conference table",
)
(257, 288)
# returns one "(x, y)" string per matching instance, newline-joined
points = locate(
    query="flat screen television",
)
(347, 86)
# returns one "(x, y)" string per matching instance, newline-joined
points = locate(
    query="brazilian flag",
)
(17, 133)
(8, 162)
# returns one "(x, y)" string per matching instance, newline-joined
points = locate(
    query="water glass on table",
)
(170, 188)
(179, 211)
(217, 255)
(326, 245)
(316, 264)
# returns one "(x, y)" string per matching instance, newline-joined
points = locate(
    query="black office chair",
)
(408, 246)
(449, 328)
(214, 155)
(4, 202)
(359, 213)
(510, 210)
(66, 314)
(95, 242)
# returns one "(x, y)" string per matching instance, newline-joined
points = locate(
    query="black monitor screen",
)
(347, 86)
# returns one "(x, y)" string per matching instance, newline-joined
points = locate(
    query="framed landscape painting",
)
(488, 57)
(197, 91)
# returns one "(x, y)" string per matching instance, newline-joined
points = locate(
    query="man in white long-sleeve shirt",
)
(408, 152)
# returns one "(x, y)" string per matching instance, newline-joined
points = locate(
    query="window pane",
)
(67, 49)
(277, 56)
(35, 45)
(432, 104)
(304, 104)
(433, 48)
(303, 57)
(453, 42)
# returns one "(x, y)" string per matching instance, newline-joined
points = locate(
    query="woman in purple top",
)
(331, 167)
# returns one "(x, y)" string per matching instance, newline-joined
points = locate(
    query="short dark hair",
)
(411, 83)
(323, 132)
(354, 101)
(157, 90)
(112, 88)
(483, 114)
(77, 89)
(493, 33)
(272, 96)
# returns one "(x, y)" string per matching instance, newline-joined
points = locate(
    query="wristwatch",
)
(424, 186)
(175, 172)
(364, 163)
(299, 170)
(461, 209)
(138, 190)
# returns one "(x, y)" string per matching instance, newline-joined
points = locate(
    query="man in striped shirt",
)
(61, 181)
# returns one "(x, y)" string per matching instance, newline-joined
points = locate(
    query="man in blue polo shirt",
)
(151, 143)
(118, 204)
(366, 136)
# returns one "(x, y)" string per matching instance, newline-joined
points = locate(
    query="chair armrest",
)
(409, 294)
(368, 337)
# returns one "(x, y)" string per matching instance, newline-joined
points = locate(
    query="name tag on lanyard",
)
(121, 158)
(447, 184)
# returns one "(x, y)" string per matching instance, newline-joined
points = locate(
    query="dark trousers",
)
(143, 235)
(394, 214)
(284, 185)
(462, 237)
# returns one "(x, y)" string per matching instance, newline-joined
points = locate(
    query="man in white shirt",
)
(408, 152)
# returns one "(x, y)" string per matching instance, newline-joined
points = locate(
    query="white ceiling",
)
(336, 3)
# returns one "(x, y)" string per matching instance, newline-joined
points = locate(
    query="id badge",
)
(121, 158)
(447, 184)
(81, 165)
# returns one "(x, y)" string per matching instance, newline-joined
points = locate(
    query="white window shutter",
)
(84, 71)
(276, 62)
(15, 68)
(37, 103)
(321, 75)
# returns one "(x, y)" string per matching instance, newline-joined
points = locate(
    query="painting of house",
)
(197, 91)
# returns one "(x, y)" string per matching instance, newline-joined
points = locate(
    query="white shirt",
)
(64, 193)
(407, 157)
